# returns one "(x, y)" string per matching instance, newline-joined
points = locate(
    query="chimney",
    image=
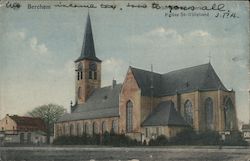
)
(113, 84)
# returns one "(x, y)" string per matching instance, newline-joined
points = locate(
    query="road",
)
(123, 154)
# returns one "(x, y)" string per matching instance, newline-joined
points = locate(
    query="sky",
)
(39, 46)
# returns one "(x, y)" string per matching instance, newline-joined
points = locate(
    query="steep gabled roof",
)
(103, 102)
(144, 80)
(164, 114)
(201, 77)
(88, 47)
(28, 123)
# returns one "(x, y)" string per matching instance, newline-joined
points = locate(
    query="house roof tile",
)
(29, 123)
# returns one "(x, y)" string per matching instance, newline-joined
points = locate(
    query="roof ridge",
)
(25, 117)
(144, 70)
(110, 86)
(94, 110)
(119, 84)
(170, 71)
(186, 68)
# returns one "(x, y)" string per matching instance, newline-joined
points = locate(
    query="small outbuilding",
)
(22, 130)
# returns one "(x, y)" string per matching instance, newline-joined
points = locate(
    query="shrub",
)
(235, 138)
(207, 138)
(85, 139)
(67, 140)
(123, 140)
(105, 139)
(190, 137)
(159, 141)
(184, 137)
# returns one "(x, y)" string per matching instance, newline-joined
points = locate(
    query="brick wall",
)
(87, 85)
(130, 92)
(7, 124)
(63, 128)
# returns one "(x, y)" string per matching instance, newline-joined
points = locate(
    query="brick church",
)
(147, 104)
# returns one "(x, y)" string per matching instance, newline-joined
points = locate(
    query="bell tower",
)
(88, 67)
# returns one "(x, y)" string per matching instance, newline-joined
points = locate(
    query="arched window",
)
(104, 127)
(114, 126)
(84, 128)
(21, 137)
(209, 114)
(81, 75)
(95, 75)
(78, 131)
(64, 130)
(87, 128)
(78, 75)
(90, 74)
(58, 128)
(188, 112)
(80, 93)
(79, 71)
(129, 116)
(229, 115)
(29, 137)
(60, 131)
(95, 128)
(157, 131)
(71, 130)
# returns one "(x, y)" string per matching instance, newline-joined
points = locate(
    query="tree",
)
(49, 114)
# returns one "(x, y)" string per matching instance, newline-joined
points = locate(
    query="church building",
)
(147, 104)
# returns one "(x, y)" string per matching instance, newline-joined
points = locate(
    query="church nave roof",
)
(102, 103)
(201, 77)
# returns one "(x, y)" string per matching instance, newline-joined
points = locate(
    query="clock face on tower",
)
(92, 66)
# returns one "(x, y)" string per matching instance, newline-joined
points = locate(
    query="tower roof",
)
(88, 47)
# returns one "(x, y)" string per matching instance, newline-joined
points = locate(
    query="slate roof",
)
(103, 102)
(28, 123)
(165, 114)
(88, 48)
(201, 77)
(144, 80)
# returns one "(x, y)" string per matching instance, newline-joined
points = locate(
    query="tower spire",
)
(88, 47)
(88, 72)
